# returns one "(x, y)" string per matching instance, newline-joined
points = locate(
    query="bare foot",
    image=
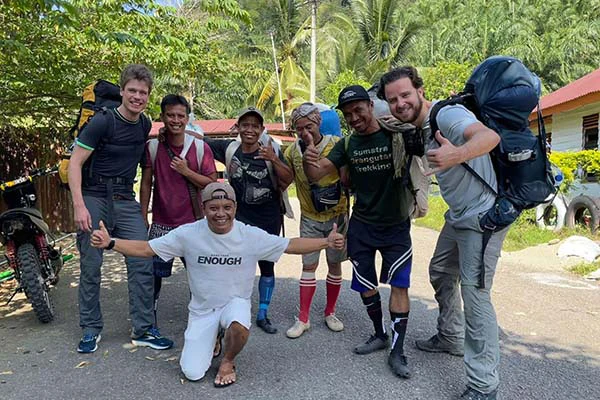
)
(226, 375)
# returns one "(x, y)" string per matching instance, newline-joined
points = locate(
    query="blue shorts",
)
(394, 244)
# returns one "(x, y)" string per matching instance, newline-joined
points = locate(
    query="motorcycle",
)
(26, 237)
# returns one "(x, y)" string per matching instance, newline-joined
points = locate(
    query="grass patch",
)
(522, 234)
(292, 190)
(435, 216)
(583, 269)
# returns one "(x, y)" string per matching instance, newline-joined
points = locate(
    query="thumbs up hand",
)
(266, 152)
(311, 154)
(100, 237)
(445, 156)
(335, 240)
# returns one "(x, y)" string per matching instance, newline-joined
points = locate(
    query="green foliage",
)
(583, 269)
(435, 216)
(345, 78)
(522, 234)
(52, 49)
(570, 162)
(445, 78)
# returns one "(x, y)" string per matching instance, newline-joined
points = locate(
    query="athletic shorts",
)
(162, 268)
(394, 244)
(201, 334)
(309, 228)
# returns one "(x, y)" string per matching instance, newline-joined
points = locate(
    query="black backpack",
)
(502, 93)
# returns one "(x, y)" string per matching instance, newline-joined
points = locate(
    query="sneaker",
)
(472, 394)
(152, 338)
(89, 343)
(334, 323)
(266, 325)
(399, 365)
(435, 345)
(374, 343)
(297, 329)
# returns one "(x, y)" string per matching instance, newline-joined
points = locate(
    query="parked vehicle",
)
(26, 238)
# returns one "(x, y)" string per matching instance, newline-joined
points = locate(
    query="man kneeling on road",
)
(222, 256)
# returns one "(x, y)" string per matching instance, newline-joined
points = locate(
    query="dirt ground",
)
(549, 321)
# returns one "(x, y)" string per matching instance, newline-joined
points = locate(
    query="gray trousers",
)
(457, 261)
(128, 224)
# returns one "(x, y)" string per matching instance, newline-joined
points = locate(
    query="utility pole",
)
(313, 51)
(278, 81)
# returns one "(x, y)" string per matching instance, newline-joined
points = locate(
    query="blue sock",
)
(266, 285)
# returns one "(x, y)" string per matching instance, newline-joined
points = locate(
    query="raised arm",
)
(315, 167)
(284, 172)
(335, 241)
(479, 140)
(135, 248)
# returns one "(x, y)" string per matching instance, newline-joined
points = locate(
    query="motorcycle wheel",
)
(33, 282)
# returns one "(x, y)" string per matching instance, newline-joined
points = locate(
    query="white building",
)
(571, 114)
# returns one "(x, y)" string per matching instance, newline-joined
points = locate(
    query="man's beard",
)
(417, 112)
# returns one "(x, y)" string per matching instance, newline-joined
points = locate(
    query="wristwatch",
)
(111, 244)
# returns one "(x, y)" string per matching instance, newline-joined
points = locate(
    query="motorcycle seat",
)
(33, 213)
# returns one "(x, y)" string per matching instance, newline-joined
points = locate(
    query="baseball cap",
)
(251, 110)
(352, 93)
(218, 190)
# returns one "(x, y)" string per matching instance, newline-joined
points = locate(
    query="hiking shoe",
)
(152, 338)
(435, 345)
(297, 329)
(89, 343)
(399, 365)
(266, 325)
(334, 323)
(372, 344)
(472, 394)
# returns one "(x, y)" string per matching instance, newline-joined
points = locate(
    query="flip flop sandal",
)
(220, 342)
(222, 385)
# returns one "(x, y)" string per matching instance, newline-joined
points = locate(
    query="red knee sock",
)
(308, 286)
(333, 284)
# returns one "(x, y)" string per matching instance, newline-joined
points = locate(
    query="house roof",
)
(587, 85)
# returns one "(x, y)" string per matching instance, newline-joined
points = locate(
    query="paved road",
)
(550, 330)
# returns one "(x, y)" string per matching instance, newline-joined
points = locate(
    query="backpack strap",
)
(199, 152)
(153, 149)
(230, 151)
(458, 99)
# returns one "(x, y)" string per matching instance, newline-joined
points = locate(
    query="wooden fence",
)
(22, 150)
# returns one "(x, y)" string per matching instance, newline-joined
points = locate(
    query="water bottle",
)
(557, 175)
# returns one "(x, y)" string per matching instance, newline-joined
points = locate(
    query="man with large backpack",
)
(322, 204)
(463, 264)
(177, 166)
(258, 174)
(101, 173)
(380, 218)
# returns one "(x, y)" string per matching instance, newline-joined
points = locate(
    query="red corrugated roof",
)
(590, 83)
(222, 126)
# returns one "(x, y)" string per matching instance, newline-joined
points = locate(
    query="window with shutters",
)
(590, 132)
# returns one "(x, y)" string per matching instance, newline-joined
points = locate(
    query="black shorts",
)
(395, 246)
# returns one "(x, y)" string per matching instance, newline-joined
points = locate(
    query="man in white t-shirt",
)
(221, 255)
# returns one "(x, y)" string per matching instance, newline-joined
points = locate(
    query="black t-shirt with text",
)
(258, 202)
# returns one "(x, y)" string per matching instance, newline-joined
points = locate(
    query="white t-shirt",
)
(219, 266)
